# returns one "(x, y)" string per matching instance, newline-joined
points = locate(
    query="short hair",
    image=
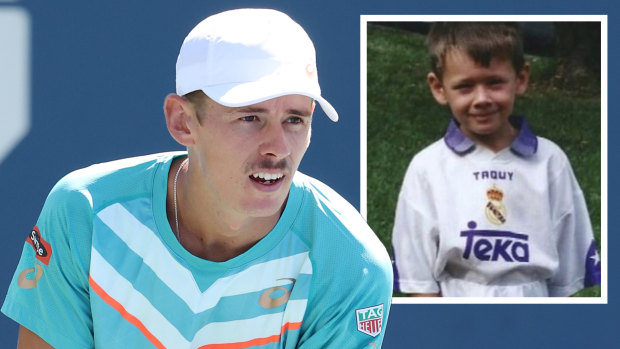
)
(198, 98)
(482, 41)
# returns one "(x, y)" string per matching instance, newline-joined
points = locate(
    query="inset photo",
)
(485, 155)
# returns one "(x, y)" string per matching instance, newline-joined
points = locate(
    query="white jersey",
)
(472, 222)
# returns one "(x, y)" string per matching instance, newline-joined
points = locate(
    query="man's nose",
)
(274, 142)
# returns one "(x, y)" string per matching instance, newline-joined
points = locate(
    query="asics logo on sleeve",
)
(24, 282)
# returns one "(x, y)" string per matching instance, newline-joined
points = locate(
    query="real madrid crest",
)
(495, 209)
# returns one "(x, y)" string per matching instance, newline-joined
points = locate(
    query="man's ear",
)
(523, 79)
(437, 88)
(179, 113)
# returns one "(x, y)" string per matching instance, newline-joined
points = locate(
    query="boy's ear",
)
(179, 113)
(523, 78)
(437, 89)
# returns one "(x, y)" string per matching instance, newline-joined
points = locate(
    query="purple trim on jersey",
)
(593, 267)
(525, 144)
(456, 140)
(395, 269)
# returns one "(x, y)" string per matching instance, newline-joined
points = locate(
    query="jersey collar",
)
(524, 145)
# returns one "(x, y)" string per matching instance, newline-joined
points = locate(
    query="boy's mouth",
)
(483, 113)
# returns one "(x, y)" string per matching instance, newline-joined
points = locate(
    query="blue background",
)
(99, 74)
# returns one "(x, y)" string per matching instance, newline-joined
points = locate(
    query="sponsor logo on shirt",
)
(370, 320)
(495, 245)
(495, 175)
(495, 209)
(42, 249)
(276, 296)
(24, 282)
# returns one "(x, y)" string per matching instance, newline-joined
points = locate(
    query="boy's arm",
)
(415, 238)
(579, 262)
(424, 295)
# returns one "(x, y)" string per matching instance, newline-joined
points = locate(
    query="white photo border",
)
(365, 19)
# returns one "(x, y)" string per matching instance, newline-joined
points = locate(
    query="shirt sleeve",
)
(415, 236)
(350, 297)
(49, 291)
(579, 262)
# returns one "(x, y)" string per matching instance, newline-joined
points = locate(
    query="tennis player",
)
(225, 245)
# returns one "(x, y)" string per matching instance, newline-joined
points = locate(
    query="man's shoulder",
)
(333, 224)
(119, 167)
(127, 176)
(114, 170)
(317, 196)
(345, 253)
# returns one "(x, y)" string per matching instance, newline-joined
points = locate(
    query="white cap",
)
(246, 56)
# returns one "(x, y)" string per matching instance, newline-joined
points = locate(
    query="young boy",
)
(491, 209)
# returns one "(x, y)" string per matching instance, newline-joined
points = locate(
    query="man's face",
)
(248, 155)
(481, 98)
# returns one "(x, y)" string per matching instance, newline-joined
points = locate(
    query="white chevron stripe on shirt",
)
(136, 304)
(247, 329)
(140, 239)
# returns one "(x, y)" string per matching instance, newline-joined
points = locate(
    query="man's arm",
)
(29, 340)
(48, 294)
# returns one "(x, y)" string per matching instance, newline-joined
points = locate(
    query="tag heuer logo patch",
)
(369, 320)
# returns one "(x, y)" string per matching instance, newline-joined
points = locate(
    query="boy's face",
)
(480, 98)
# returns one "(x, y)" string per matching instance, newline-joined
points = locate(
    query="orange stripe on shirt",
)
(256, 341)
(124, 313)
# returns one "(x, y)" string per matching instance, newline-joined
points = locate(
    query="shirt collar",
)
(524, 145)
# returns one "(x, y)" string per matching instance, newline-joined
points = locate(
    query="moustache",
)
(267, 164)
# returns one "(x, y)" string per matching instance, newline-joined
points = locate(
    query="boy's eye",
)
(462, 86)
(495, 82)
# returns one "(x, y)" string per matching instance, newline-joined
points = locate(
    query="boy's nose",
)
(481, 96)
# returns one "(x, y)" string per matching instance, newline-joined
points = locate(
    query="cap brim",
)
(239, 95)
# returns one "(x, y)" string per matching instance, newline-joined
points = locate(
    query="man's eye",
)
(249, 118)
(294, 120)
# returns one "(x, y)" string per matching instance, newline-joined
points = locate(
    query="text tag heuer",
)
(370, 320)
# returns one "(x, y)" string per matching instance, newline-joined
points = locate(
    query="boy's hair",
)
(482, 41)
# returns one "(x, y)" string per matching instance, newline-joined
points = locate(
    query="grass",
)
(403, 118)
